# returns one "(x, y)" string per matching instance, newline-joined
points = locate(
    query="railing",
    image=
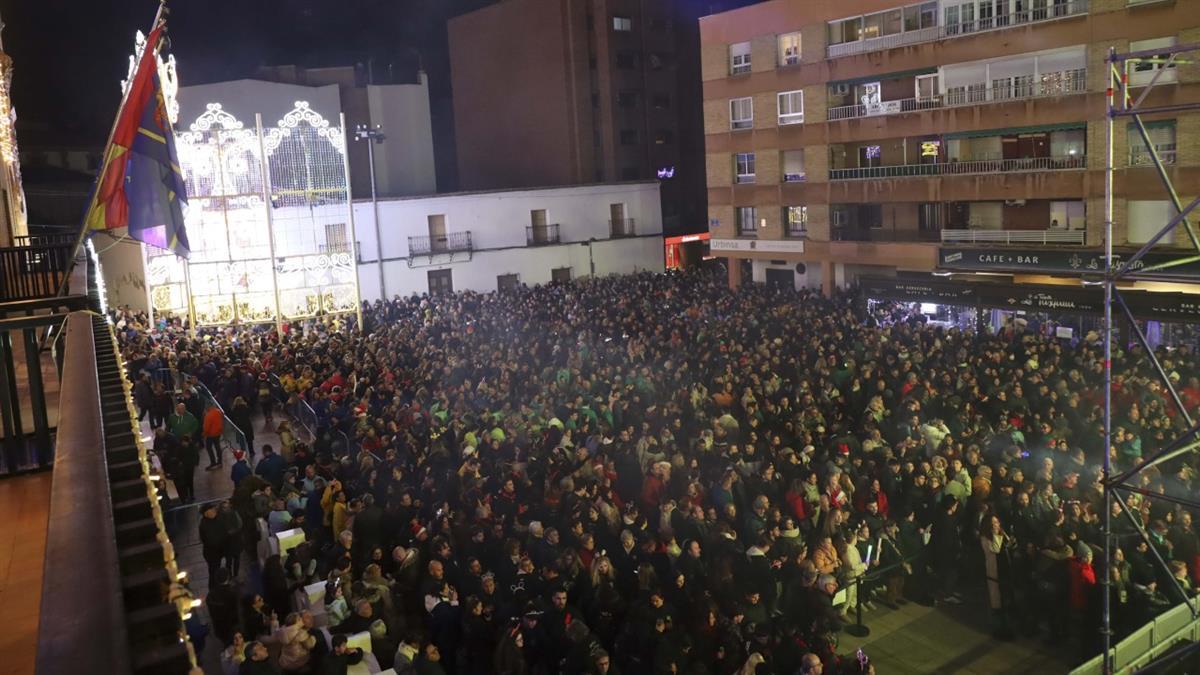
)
(796, 233)
(881, 234)
(1067, 82)
(1156, 638)
(29, 272)
(954, 168)
(623, 227)
(540, 235)
(1140, 155)
(126, 614)
(1014, 236)
(232, 438)
(1041, 11)
(56, 239)
(446, 243)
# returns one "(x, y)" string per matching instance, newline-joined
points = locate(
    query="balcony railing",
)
(1140, 156)
(954, 168)
(540, 235)
(446, 243)
(1077, 237)
(1066, 82)
(881, 234)
(1046, 10)
(796, 232)
(623, 227)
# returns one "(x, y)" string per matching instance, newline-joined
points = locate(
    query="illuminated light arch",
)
(168, 75)
(302, 113)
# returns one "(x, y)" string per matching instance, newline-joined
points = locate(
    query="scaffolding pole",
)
(1120, 104)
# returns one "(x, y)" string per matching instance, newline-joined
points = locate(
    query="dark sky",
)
(70, 55)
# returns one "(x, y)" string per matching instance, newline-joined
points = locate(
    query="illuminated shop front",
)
(269, 220)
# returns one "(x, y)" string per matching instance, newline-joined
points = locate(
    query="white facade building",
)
(537, 235)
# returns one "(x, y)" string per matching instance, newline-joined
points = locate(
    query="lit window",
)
(622, 23)
(795, 219)
(791, 107)
(741, 113)
(739, 58)
(743, 163)
(789, 49)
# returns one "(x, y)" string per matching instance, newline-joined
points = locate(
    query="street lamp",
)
(373, 135)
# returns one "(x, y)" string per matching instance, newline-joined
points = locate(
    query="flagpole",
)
(112, 131)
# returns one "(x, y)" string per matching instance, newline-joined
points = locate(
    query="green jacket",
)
(183, 425)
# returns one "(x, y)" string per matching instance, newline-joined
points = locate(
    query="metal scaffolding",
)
(1123, 103)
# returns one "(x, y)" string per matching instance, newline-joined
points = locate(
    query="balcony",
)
(1046, 10)
(880, 234)
(1140, 155)
(955, 168)
(1043, 237)
(621, 227)
(445, 243)
(541, 235)
(1051, 84)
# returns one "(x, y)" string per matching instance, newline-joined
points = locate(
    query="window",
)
(335, 238)
(622, 23)
(1144, 70)
(664, 137)
(846, 30)
(661, 101)
(791, 107)
(507, 282)
(1162, 135)
(626, 60)
(739, 58)
(747, 220)
(627, 99)
(795, 221)
(743, 164)
(789, 49)
(793, 166)
(741, 113)
(629, 137)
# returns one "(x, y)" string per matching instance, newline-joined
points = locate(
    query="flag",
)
(141, 186)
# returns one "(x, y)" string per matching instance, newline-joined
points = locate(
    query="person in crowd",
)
(214, 539)
(340, 657)
(214, 426)
(686, 470)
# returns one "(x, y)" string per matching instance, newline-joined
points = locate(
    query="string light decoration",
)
(9, 154)
(268, 219)
(167, 75)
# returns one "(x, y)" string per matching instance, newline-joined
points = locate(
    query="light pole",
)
(373, 135)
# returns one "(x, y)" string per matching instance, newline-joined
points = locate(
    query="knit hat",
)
(1082, 550)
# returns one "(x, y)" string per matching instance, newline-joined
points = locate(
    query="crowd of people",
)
(659, 474)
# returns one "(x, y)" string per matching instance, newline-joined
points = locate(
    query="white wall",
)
(498, 219)
(497, 222)
(531, 265)
(244, 98)
(404, 161)
(124, 272)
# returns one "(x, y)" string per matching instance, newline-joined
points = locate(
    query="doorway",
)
(537, 220)
(437, 232)
(560, 275)
(781, 277)
(441, 282)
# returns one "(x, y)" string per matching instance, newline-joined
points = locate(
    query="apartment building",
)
(860, 138)
(564, 92)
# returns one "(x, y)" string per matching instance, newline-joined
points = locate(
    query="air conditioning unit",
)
(1014, 202)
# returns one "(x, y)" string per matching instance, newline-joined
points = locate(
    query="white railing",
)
(1048, 10)
(1013, 236)
(1052, 84)
(1140, 155)
(955, 168)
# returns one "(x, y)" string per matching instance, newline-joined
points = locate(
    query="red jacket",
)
(1083, 581)
(214, 423)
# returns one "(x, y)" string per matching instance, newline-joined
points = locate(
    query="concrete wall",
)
(124, 272)
(404, 162)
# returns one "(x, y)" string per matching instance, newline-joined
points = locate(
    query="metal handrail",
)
(1014, 236)
(623, 227)
(232, 436)
(978, 166)
(1071, 82)
(540, 235)
(445, 243)
(1050, 11)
